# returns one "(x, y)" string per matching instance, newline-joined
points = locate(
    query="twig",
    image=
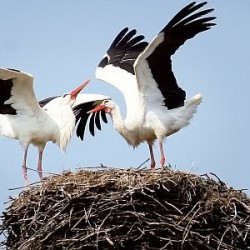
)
(142, 163)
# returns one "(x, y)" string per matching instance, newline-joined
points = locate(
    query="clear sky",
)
(61, 42)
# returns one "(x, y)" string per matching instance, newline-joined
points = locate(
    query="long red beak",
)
(75, 92)
(98, 108)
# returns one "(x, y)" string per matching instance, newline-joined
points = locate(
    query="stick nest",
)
(128, 209)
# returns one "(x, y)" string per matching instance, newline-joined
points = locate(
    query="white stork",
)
(52, 119)
(156, 106)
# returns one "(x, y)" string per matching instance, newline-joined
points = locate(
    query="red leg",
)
(152, 164)
(39, 164)
(162, 160)
(24, 166)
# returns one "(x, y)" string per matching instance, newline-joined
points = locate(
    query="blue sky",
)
(61, 42)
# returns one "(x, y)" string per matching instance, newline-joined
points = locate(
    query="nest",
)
(128, 209)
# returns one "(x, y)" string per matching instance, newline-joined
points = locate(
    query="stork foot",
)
(152, 165)
(40, 171)
(162, 161)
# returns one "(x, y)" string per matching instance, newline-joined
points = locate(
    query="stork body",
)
(156, 105)
(24, 119)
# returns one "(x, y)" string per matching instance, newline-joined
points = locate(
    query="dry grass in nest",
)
(128, 209)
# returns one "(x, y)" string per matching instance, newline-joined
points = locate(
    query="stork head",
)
(69, 99)
(106, 105)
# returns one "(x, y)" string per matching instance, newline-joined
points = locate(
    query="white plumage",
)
(156, 106)
(24, 119)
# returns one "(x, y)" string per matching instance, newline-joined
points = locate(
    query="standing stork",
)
(156, 106)
(52, 119)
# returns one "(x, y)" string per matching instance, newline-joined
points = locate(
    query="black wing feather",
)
(181, 28)
(92, 124)
(5, 94)
(104, 117)
(43, 102)
(82, 116)
(97, 121)
(124, 50)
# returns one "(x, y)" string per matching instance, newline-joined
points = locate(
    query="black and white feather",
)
(84, 103)
(156, 105)
(54, 119)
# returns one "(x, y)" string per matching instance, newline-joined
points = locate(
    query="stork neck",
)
(134, 105)
(127, 84)
(127, 128)
(118, 121)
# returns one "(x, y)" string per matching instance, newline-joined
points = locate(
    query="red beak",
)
(75, 92)
(98, 108)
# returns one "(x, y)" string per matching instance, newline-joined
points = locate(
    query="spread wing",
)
(153, 66)
(16, 94)
(116, 67)
(83, 104)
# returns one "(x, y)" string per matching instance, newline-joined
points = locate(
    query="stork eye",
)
(65, 95)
